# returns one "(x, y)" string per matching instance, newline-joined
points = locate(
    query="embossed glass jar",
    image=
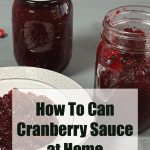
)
(123, 55)
(42, 33)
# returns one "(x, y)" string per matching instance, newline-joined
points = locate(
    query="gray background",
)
(88, 16)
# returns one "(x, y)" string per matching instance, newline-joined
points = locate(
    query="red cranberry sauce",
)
(42, 32)
(6, 122)
(119, 69)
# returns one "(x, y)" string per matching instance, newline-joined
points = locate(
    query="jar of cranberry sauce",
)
(42, 33)
(123, 55)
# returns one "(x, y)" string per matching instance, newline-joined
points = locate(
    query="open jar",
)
(42, 33)
(123, 55)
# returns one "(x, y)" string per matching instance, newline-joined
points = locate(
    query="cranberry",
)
(117, 12)
(134, 30)
(2, 33)
(113, 59)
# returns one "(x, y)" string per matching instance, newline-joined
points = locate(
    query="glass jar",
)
(123, 55)
(42, 33)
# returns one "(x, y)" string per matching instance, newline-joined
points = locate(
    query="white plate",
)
(36, 78)
(30, 77)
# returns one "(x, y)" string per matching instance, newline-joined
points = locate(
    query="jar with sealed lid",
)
(123, 55)
(42, 33)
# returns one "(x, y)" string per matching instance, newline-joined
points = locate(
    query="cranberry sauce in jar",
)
(42, 33)
(123, 55)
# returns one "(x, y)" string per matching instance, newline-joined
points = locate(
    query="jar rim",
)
(116, 11)
(41, 1)
(128, 27)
